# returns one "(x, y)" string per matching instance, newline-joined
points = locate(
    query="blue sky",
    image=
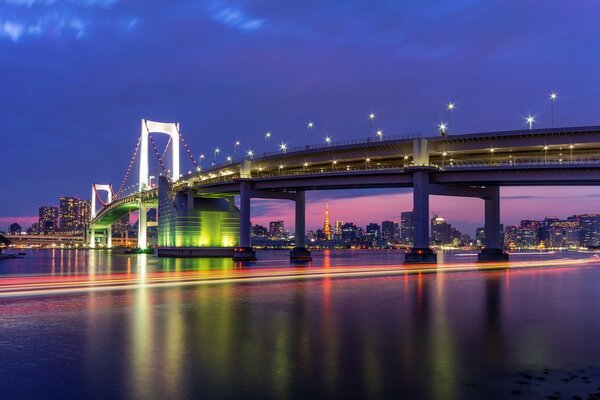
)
(76, 77)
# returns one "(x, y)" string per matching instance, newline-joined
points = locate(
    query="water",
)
(505, 333)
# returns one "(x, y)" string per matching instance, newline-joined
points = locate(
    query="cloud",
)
(235, 18)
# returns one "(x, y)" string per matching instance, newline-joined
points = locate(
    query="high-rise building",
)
(83, 215)
(389, 231)
(68, 213)
(326, 225)
(276, 229)
(47, 219)
(589, 230)
(407, 230)
(349, 232)
(337, 233)
(440, 230)
(373, 231)
(480, 236)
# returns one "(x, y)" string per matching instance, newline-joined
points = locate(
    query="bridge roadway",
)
(473, 165)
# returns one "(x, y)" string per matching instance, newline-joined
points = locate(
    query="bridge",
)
(197, 215)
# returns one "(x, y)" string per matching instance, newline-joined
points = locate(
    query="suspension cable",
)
(129, 167)
(160, 161)
(187, 149)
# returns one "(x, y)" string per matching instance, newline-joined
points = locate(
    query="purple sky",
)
(77, 76)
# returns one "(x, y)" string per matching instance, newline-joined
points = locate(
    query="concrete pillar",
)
(300, 252)
(420, 152)
(420, 253)
(244, 252)
(109, 237)
(92, 243)
(492, 219)
(493, 250)
(245, 214)
(301, 220)
(142, 223)
(421, 209)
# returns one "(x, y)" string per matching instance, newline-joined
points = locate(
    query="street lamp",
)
(371, 119)
(235, 146)
(328, 140)
(492, 150)
(367, 161)
(201, 158)
(530, 120)
(229, 159)
(380, 135)
(333, 164)
(405, 160)
(553, 96)
(545, 154)
(444, 154)
(304, 166)
(450, 106)
(571, 153)
(309, 126)
(280, 168)
(267, 136)
(283, 147)
(250, 154)
(217, 151)
(442, 128)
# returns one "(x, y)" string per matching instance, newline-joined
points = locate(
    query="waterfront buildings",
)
(407, 229)
(14, 229)
(47, 220)
(74, 214)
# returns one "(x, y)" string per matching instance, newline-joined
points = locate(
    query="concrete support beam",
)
(109, 237)
(493, 250)
(142, 224)
(421, 253)
(244, 252)
(92, 242)
(300, 252)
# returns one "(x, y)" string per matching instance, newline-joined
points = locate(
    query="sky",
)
(77, 76)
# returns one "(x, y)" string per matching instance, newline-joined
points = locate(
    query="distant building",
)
(390, 231)
(14, 229)
(74, 213)
(373, 232)
(589, 230)
(47, 220)
(259, 231)
(407, 229)
(440, 231)
(337, 233)
(276, 230)
(480, 236)
(349, 232)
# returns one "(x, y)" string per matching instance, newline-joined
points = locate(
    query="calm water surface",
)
(502, 334)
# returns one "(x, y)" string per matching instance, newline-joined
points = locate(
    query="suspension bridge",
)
(197, 214)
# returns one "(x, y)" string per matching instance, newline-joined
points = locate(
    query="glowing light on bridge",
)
(442, 128)
(530, 120)
(553, 96)
(327, 140)
(380, 134)
(283, 147)
(250, 153)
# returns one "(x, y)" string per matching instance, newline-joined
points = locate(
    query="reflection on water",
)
(437, 336)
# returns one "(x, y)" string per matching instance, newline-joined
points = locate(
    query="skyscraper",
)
(389, 230)
(407, 229)
(440, 230)
(48, 219)
(68, 213)
(326, 225)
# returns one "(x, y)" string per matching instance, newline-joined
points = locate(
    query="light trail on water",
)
(50, 285)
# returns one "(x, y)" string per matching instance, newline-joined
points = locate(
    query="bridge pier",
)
(493, 249)
(109, 237)
(244, 251)
(420, 253)
(142, 225)
(300, 252)
(92, 242)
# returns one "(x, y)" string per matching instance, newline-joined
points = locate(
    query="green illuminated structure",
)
(192, 226)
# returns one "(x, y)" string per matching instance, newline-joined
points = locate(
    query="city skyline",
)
(406, 89)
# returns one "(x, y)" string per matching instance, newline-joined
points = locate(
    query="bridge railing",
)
(521, 162)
